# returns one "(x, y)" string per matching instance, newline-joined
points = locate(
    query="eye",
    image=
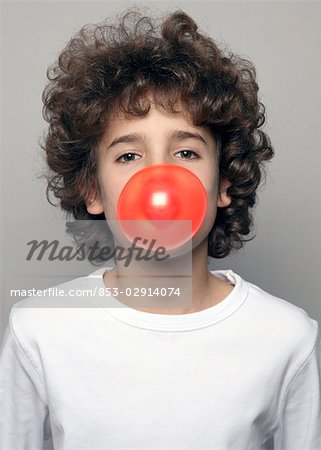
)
(186, 155)
(129, 154)
(186, 152)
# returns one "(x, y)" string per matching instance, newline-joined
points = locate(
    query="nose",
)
(166, 194)
(158, 156)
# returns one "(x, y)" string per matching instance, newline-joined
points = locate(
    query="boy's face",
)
(155, 145)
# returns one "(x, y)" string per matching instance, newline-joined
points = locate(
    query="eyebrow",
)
(175, 134)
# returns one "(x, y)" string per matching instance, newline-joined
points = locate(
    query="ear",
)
(223, 199)
(94, 202)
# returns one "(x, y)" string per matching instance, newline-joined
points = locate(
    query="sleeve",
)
(24, 418)
(299, 427)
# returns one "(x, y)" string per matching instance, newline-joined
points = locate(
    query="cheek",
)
(209, 178)
(210, 183)
(111, 190)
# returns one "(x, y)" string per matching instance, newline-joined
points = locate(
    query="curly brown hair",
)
(114, 66)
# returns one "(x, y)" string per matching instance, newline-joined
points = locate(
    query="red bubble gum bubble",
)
(153, 201)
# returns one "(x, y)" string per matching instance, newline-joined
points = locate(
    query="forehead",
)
(157, 119)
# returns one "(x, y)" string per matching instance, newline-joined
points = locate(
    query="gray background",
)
(281, 38)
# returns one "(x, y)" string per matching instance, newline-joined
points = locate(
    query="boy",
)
(232, 370)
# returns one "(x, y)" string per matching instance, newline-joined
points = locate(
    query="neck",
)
(186, 274)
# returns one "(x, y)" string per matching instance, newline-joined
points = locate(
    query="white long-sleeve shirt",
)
(99, 377)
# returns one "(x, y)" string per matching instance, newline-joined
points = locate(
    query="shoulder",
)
(52, 308)
(286, 325)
